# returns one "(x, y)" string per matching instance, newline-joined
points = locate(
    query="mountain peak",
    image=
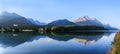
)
(61, 22)
(86, 20)
(8, 19)
(5, 13)
(87, 17)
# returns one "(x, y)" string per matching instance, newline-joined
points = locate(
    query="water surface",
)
(56, 43)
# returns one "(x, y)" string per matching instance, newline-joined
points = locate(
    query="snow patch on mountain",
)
(87, 21)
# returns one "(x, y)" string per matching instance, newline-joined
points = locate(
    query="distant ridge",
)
(61, 23)
(36, 21)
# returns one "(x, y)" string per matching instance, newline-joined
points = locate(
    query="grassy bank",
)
(116, 45)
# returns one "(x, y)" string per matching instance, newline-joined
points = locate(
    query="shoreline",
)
(115, 45)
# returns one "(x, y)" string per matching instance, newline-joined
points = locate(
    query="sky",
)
(106, 11)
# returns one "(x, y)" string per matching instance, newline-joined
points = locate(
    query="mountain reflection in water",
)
(56, 43)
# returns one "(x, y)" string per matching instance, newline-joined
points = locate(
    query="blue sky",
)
(107, 11)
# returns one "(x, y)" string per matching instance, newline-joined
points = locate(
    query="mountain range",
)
(13, 19)
(9, 20)
(82, 21)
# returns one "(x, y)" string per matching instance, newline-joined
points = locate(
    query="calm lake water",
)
(56, 43)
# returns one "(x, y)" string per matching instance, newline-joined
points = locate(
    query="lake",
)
(56, 43)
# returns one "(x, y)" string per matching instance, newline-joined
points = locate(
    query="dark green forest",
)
(73, 28)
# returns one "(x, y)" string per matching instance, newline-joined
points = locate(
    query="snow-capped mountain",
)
(87, 21)
(61, 23)
(91, 21)
(36, 22)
